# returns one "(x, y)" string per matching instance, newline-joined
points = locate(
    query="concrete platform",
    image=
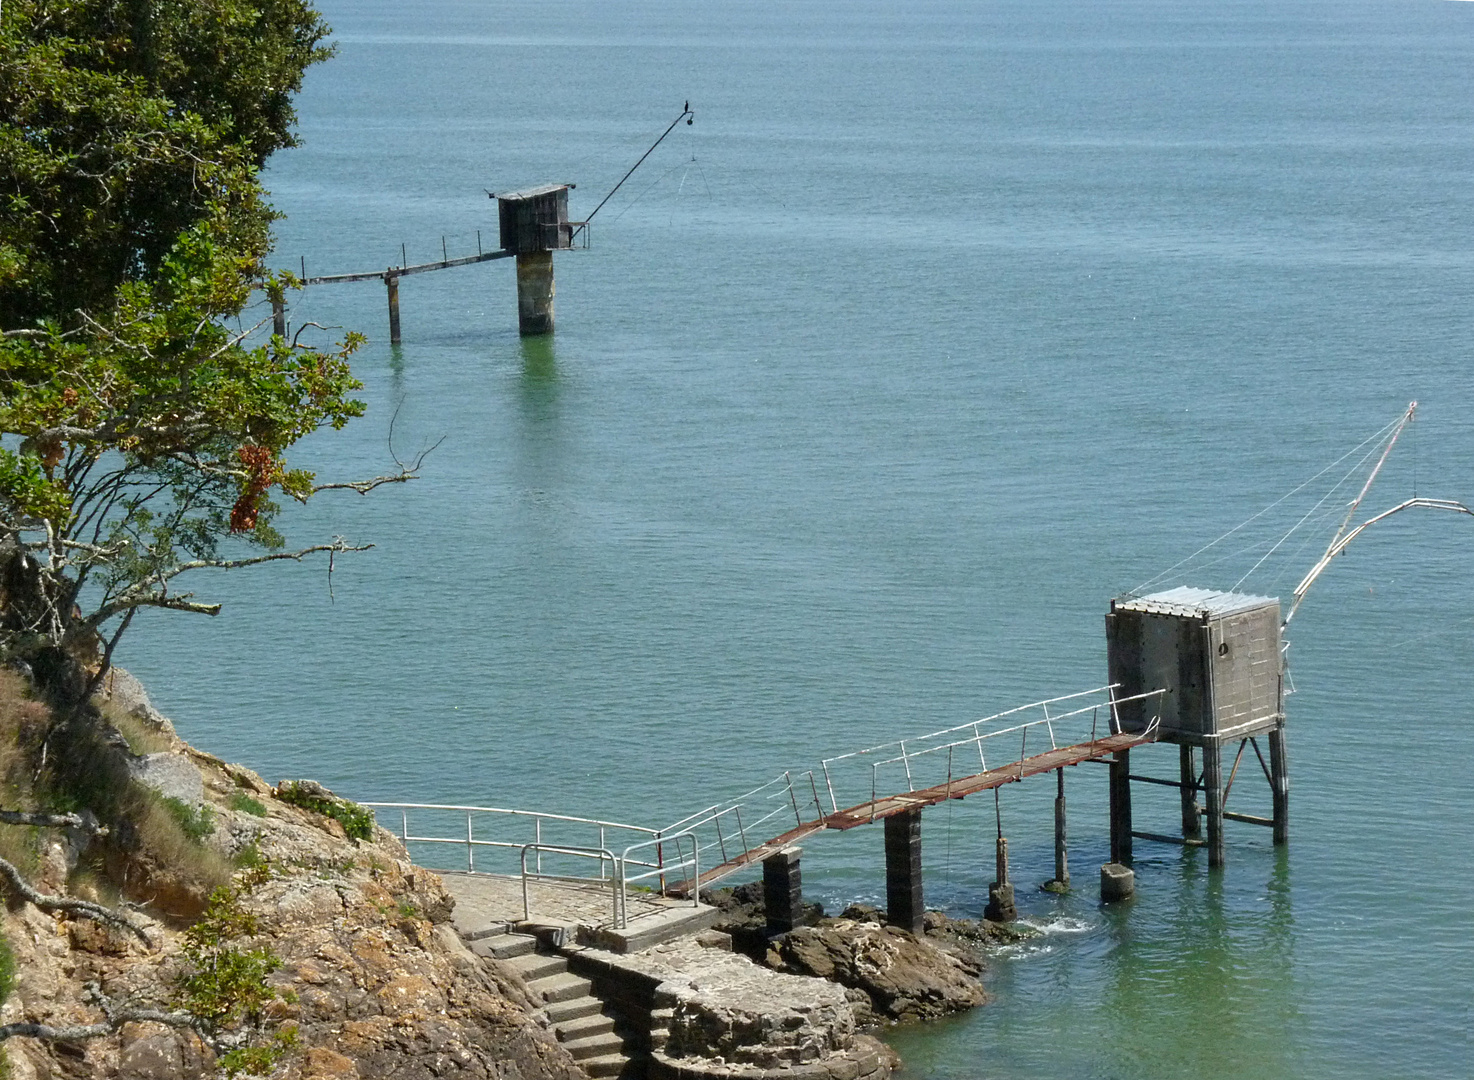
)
(491, 904)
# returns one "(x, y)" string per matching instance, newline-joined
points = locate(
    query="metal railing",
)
(914, 755)
(616, 879)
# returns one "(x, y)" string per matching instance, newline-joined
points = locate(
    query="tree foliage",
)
(143, 428)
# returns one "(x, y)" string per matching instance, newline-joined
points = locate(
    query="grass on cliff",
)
(79, 770)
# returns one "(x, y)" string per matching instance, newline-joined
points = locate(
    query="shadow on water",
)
(539, 376)
(396, 369)
(1211, 991)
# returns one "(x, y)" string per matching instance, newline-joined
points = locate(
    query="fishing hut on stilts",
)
(532, 223)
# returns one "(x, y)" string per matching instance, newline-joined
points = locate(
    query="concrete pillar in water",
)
(1121, 807)
(1279, 774)
(392, 282)
(535, 292)
(1061, 849)
(1001, 907)
(903, 900)
(783, 890)
(1187, 773)
(1213, 797)
(1117, 882)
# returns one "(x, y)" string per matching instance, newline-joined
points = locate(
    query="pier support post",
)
(1001, 907)
(1279, 773)
(1213, 796)
(391, 282)
(783, 890)
(1061, 849)
(1117, 882)
(1121, 807)
(535, 292)
(1188, 776)
(903, 901)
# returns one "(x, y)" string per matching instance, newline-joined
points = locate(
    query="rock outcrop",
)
(371, 974)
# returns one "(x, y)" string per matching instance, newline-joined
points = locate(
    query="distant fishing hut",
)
(534, 224)
(1218, 656)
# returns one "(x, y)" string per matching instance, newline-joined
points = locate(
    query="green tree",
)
(143, 428)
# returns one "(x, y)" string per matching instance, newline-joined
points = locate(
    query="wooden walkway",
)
(868, 812)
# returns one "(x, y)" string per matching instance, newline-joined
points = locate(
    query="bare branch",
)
(24, 333)
(304, 326)
(115, 1015)
(83, 908)
(52, 821)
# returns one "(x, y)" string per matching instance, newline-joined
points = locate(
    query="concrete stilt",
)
(535, 292)
(1188, 776)
(783, 890)
(1213, 797)
(391, 281)
(1279, 772)
(1117, 882)
(903, 900)
(1001, 907)
(1121, 807)
(1061, 851)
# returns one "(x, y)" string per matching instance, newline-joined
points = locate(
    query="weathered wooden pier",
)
(1194, 668)
(533, 224)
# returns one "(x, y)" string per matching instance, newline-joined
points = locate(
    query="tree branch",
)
(83, 908)
(52, 821)
(116, 1017)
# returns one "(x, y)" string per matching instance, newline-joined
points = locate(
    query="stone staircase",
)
(586, 1027)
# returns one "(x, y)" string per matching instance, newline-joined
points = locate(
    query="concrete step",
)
(604, 1065)
(533, 966)
(562, 1011)
(560, 987)
(505, 946)
(582, 1027)
(595, 1046)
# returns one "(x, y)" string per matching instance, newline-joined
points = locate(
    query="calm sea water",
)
(943, 324)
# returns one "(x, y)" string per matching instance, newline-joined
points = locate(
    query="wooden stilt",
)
(1279, 767)
(1188, 774)
(392, 281)
(1213, 793)
(1121, 807)
(1061, 854)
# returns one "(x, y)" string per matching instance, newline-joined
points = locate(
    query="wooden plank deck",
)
(867, 812)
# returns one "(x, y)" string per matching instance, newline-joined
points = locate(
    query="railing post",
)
(721, 843)
(537, 833)
(872, 793)
(740, 830)
(470, 848)
(818, 806)
(907, 762)
(404, 825)
(526, 904)
(949, 772)
(828, 783)
(601, 828)
(798, 818)
(982, 761)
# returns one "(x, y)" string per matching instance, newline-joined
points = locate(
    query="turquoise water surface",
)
(942, 325)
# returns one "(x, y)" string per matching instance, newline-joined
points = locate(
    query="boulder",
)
(906, 977)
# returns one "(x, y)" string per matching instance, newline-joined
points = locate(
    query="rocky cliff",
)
(371, 975)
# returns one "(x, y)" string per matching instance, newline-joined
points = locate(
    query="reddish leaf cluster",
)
(264, 470)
